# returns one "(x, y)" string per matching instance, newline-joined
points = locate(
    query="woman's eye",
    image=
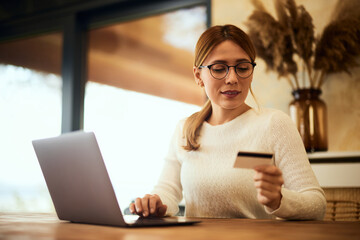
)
(220, 68)
(242, 69)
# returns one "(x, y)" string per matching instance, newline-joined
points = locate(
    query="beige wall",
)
(340, 91)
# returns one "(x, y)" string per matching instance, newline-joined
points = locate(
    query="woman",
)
(199, 165)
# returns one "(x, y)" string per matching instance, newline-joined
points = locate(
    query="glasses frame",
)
(228, 69)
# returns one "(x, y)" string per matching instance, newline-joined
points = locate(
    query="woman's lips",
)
(231, 93)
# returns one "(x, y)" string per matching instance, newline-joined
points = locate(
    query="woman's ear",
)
(197, 76)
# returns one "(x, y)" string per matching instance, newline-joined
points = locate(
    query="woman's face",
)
(230, 92)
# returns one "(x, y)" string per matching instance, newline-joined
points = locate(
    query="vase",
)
(309, 113)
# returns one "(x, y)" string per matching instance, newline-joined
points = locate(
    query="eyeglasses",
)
(221, 70)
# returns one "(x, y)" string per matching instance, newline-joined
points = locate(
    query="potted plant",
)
(288, 46)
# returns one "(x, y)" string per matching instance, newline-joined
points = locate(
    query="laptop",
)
(79, 184)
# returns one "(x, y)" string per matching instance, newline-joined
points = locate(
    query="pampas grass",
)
(273, 43)
(338, 48)
(278, 41)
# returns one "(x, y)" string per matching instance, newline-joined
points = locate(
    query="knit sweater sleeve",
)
(169, 186)
(302, 197)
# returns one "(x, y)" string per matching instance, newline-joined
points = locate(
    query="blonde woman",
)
(199, 164)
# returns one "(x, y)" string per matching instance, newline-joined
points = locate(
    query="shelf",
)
(336, 169)
(334, 157)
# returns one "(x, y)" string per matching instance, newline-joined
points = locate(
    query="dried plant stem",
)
(290, 82)
(303, 74)
(321, 79)
(311, 80)
(315, 78)
(296, 81)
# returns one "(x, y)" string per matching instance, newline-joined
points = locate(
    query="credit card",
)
(252, 159)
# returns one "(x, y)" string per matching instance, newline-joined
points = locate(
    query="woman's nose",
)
(232, 77)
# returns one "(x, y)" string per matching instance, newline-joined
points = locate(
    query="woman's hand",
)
(268, 182)
(149, 205)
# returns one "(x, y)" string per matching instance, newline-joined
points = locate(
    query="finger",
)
(138, 205)
(268, 186)
(145, 205)
(161, 211)
(269, 169)
(153, 202)
(260, 176)
(132, 207)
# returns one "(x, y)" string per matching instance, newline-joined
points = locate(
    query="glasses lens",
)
(218, 70)
(244, 69)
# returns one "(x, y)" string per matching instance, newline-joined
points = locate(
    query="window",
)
(133, 130)
(30, 108)
(140, 85)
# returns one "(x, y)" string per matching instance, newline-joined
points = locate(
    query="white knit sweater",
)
(211, 186)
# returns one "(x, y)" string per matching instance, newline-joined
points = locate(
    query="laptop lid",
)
(77, 179)
(79, 183)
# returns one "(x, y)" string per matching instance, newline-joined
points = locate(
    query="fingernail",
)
(145, 214)
(152, 210)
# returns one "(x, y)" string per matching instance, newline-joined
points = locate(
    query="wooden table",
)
(47, 226)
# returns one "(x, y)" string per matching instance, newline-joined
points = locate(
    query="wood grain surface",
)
(47, 226)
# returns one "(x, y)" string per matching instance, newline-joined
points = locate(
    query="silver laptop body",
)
(79, 184)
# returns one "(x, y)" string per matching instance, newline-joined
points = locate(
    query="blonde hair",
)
(206, 43)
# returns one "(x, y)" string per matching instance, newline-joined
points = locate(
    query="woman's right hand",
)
(149, 205)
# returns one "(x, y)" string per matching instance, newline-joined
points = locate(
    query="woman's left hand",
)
(268, 182)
